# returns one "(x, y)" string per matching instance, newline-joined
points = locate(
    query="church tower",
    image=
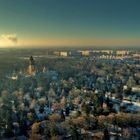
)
(44, 69)
(31, 67)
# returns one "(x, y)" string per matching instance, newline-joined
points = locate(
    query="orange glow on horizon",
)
(71, 42)
(79, 42)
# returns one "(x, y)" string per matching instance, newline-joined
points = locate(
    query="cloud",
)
(10, 37)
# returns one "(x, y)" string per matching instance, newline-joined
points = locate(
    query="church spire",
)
(31, 61)
(31, 68)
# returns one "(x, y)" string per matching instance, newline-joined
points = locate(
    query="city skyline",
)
(69, 23)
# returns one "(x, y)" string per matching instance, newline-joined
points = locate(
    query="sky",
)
(69, 23)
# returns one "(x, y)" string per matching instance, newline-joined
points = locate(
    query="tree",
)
(56, 138)
(131, 82)
(63, 102)
(55, 118)
(35, 127)
(5, 112)
(106, 135)
(74, 133)
(86, 108)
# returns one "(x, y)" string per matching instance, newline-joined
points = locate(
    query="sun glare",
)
(6, 43)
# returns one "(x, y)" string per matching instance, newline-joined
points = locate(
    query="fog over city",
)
(69, 70)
